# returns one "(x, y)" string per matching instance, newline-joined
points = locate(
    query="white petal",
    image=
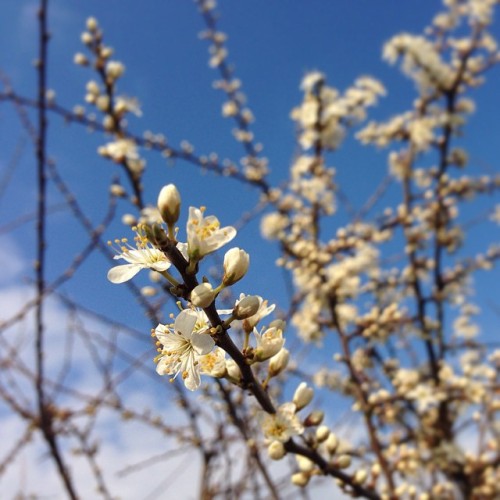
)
(202, 343)
(120, 274)
(183, 248)
(184, 323)
(193, 379)
(161, 266)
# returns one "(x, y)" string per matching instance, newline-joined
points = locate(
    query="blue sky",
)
(272, 44)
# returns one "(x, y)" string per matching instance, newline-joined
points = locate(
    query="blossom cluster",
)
(188, 346)
(407, 351)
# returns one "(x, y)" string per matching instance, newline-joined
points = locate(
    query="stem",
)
(46, 417)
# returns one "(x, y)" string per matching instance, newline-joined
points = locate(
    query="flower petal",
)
(160, 266)
(202, 343)
(120, 274)
(184, 323)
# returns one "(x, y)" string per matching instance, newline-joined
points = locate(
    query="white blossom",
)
(182, 346)
(205, 234)
(144, 256)
(282, 425)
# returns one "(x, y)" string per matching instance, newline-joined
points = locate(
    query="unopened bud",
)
(300, 479)
(86, 37)
(129, 220)
(303, 395)
(117, 190)
(279, 362)
(276, 450)
(91, 23)
(332, 443)
(202, 295)
(246, 307)
(315, 418)
(322, 433)
(360, 476)
(80, 59)
(236, 262)
(304, 464)
(343, 461)
(148, 291)
(169, 204)
(114, 70)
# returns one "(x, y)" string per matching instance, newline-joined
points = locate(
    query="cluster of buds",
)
(103, 97)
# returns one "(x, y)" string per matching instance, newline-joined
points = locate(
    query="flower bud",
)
(80, 59)
(236, 262)
(303, 395)
(279, 362)
(86, 37)
(117, 190)
(343, 461)
(332, 443)
(360, 476)
(202, 295)
(304, 464)
(322, 433)
(314, 418)
(91, 23)
(114, 70)
(300, 479)
(169, 204)
(246, 307)
(129, 220)
(276, 450)
(148, 291)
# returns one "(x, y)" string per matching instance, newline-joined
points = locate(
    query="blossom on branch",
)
(282, 425)
(144, 256)
(183, 345)
(205, 234)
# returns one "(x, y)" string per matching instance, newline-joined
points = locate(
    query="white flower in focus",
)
(204, 234)
(183, 345)
(236, 262)
(282, 425)
(145, 256)
(269, 343)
